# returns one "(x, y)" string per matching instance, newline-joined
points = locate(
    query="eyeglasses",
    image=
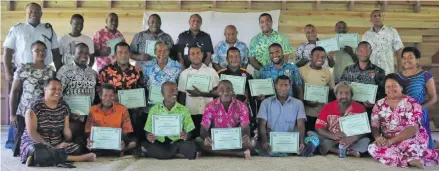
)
(39, 50)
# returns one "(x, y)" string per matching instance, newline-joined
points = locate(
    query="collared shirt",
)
(260, 43)
(100, 39)
(78, 81)
(22, 35)
(177, 109)
(303, 51)
(67, 45)
(281, 117)
(156, 76)
(116, 117)
(288, 69)
(371, 75)
(219, 57)
(129, 78)
(186, 38)
(384, 45)
(322, 77)
(196, 104)
(330, 113)
(240, 72)
(342, 60)
(138, 44)
(216, 116)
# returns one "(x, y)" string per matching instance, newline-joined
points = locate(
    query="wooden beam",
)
(317, 5)
(417, 8)
(213, 3)
(110, 4)
(284, 4)
(10, 5)
(77, 4)
(249, 4)
(179, 3)
(43, 4)
(384, 5)
(351, 5)
(146, 4)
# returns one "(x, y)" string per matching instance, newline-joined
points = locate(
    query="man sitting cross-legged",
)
(216, 116)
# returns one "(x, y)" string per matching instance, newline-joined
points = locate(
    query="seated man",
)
(283, 113)
(170, 146)
(216, 116)
(113, 115)
(328, 128)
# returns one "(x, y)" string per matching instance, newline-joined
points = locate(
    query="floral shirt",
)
(290, 70)
(219, 57)
(259, 46)
(78, 81)
(138, 44)
(215, 115)
(330, 113)
(100, 39)
(156, 76)
(130, 78)
(304, 52)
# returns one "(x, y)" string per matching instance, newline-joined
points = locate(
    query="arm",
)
(325, 133)
(301, 128)
(67, 132)
(204, 132)
(7, 62)
(431, 89)
(31, 126)
(331, 61)
(299, 91)
(182, 98)
(92, 60)
(262, 130)
(208, 58)
(217, 67)
(57, 58)
(398, 60)
(351, 53)
(405, 134)
(254, 63)
(14, 96)
(302, 62)
(287, 57)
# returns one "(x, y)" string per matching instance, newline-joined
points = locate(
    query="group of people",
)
(42, 121)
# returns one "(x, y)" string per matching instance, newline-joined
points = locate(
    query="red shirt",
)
(328, 116)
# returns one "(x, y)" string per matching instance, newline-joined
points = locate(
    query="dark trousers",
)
(18, 133)
(197, 122)
(78, 133)
(138, 120)
(168, 150)
(310, 123)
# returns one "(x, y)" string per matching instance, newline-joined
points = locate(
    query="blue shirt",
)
(156, 76)
(219, 57)
(288, 69)
(281, 118)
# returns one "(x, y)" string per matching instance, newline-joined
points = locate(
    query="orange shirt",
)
(116, 117)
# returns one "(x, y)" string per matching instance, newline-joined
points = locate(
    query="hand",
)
(381, 142)
(145, 57)
(348, 50)
(367, 104)
(195, 92)
(122, 145)
(9, 77)
(151, 138)
(331, 54)
(337, 136)
(62, 145)
(347, 141)
(266, 147)
(13, 121)
(89, 143)
(245, 139)
(183, 135)
(301, 147)
(208, 142)
(260, 97)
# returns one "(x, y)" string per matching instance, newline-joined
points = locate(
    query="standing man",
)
(385, 41)
(219, 60)
(194, 37)
(100, 38)
(68, 42)
(303, 52)
(344, 57)
(151, 35)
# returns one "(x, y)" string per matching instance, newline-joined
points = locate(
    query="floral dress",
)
(391, 123)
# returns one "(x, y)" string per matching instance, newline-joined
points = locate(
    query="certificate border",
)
(327, 90)
(113, 51)
(146, 48)
(355, 115)
(251, 87)
(375, 88)
(74, 96)
(97, 127)
(298, 137)
(149, 95)
(329, 50)
(233, 148)
(245, 82)
(338, 37)
(120, 92)
(208, 88)
(165, 135)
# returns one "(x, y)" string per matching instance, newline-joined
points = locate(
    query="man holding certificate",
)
(345, 56)
(168, 128)
(303, 52)
(328, 126)
(229, 117)
(109, 114)
(283, 114)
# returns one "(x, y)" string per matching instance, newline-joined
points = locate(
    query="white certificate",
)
(78, 104)
(226, 138)
(106, 138)
(150, 47)
(238, 83)
(133, 98)
(201, 82)
(330, 45)
(284, 142)
(261, 86)
(348, 39)
(364, 92)
(155, 95)
(316, 93)
(166, 125)
(112, 43)
(356, 124)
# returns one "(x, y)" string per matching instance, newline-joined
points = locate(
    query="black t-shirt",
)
(240, 72)
(202, 39)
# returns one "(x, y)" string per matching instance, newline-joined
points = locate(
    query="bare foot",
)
(90, 157)
(179, 155)
(247, 154)
(198, 155)
(354, 153)
(417, 163)
(29, 161)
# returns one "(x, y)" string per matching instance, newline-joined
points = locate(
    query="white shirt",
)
(384, 45)
(304, 52)
(22, 35)
(67, 45)
(196, 105)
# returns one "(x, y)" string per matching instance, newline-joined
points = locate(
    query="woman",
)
(418, 83)
(47, 122)
(400, 138)
(28, 81)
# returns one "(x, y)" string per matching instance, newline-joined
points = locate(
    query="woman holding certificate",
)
(400, 138)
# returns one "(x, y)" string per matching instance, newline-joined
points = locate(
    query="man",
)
(124, 76)
(303, 52)
(195, 100)
(151, 35)
(167, 147)
(316, 74)
(282, 113)
(279, 67)
(194, 37)
(259, 54)
(113, 115)
(225, 112)
(219, 60)
(328, 127)
(100, 38)
(344, 57)
(78, 79)
(385, 41)
(69, 41)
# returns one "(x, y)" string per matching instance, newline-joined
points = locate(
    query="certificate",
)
(330, 45)
(202, 82)
(166, 125)
(226, 138)
(78, 104)
(356, 124)
(133, 98)
(364, 92)
(150, 47)
(316, 93)
(348, 39)
(284, 142)
(155, 95)
(261, 86)
(238, 83)
(111, 43)
(106, 138)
